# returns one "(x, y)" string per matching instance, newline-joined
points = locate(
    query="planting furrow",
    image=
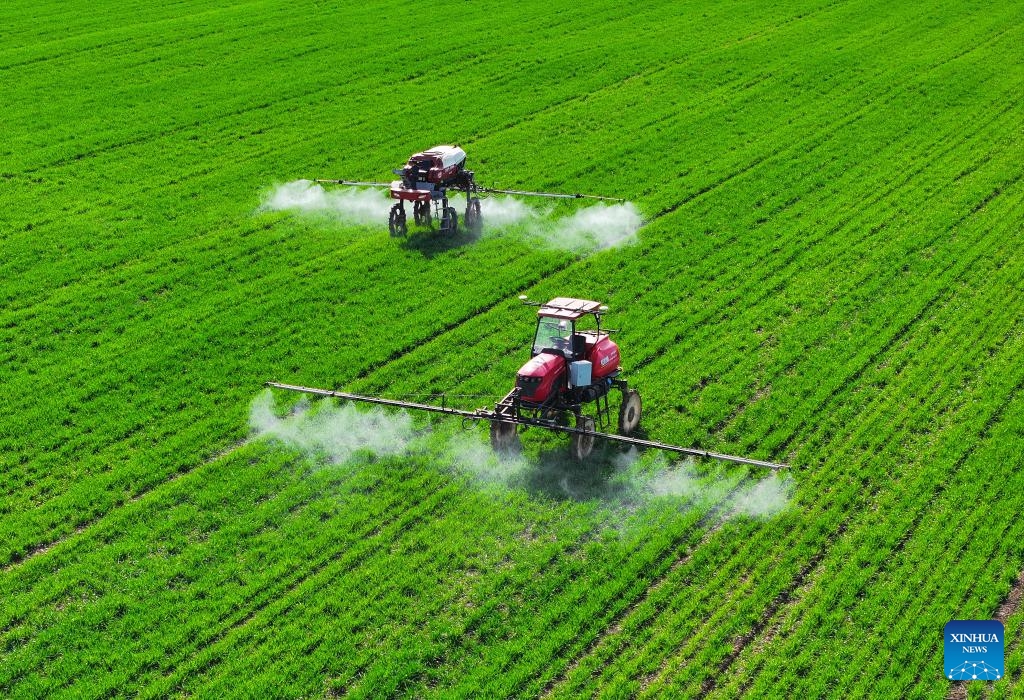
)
(276, 600)
(1009, 606)
(629, 598)
(990, 420)
(268, 592)
(936, 491)
(82, 528)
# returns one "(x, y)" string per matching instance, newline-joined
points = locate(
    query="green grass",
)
(829, 276)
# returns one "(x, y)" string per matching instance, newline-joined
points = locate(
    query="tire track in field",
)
(327, 255)
(468, 626)
(775, 627)
(716, 517)
(1007, 608)
(803, 574)
(782, 599)
(877, 197)
(769, 621)
(689, 538)
(789, 596)
(903, 330)
(983, 435)
(551, 107)
(478, 617)
(453, 325)
(669, 551)
(399, 517)
(612, 86)
(893, 89)
(761, 292)
(279, 104)
(187, 24)
(44, 547)
(816, 141)
(368, 530)
(426, 338)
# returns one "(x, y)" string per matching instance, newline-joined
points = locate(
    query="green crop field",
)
(829, 275)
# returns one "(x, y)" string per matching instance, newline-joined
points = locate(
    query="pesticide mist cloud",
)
(501, 212)
(590, 228)
(637, 480)
(595, 227)
(762, 498)
(332, 431)
(622, 481)
(354, 205)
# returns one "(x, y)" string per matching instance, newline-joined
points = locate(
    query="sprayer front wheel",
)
(504, 437)
(629, 412)
(396, 221)
(582, 445)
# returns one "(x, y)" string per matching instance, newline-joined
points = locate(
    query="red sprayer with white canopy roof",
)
(574, 365)
(428, 178)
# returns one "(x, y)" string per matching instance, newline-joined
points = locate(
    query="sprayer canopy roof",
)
(568, 309)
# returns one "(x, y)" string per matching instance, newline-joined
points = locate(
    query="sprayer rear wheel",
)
(629, 412)
(396, 221)
(420, 213)
(449, 221)
(504, 437)
(582, 445)
(474, 220)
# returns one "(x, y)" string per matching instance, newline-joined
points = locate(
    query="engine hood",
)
(538, 378)
(542, 365)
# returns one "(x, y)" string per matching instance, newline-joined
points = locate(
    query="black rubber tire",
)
(421, 213)
(474, 220)
(630, 412)
(396, 221)
(582, 445)
(504, 437)
(450, 221)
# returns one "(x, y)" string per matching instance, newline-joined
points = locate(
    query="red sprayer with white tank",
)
(564, 387)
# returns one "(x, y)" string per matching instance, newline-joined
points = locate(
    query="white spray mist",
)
(355, 205)
(331, 431)
(594, 228)
(764, 498)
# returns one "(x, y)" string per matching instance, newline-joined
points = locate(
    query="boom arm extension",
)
(487, 415)
(553, 195)
(351, 183)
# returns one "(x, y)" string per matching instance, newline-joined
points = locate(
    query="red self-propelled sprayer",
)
(564, 387)
(429, 178)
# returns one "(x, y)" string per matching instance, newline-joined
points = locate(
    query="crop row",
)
(180, 255)
(786, 302)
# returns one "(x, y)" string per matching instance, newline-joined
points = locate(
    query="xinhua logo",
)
(974, 650)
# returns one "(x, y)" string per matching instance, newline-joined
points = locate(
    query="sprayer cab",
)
(573, 362)
(561, 330)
